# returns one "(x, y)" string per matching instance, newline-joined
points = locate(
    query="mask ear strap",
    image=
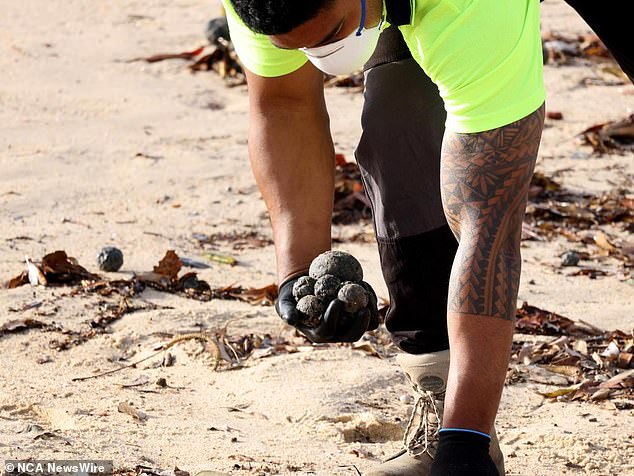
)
(362, 22)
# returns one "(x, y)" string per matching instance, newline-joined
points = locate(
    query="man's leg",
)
(614, 29)
(485, 179)
(399, 156)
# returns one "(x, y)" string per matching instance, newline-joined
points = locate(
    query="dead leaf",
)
(612, 136)
(561, 391)
(367, 348)
(19, 325)
(169, 266)
(601, 240)
(166, 56)
(125, 407)
(59, 268)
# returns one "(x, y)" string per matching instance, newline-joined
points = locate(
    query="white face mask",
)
(349, 54)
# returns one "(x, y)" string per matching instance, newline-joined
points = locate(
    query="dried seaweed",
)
(57, 269)
(554, 211)
(588, 362)
(351, 204)
(219, 57)
(238, 240)
(570, 49)
(353, 81)
(611, 137)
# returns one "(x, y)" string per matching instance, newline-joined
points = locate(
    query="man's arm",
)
(292, 159)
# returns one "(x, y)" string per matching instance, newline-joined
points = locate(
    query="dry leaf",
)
(125, 407)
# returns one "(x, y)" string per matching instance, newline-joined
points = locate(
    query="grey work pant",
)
(399, 156)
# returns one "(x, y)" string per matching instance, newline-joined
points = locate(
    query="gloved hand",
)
(463, 453)
(336, 325)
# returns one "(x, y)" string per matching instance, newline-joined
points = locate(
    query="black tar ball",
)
(110, 259)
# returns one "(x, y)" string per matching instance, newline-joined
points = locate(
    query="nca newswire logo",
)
(58, 468)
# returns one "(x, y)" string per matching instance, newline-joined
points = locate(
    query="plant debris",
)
(55, 269)
(239, 240)
(611, 137)
(59, 269)
(353, 81)
(567, 49)
(587, 362)
(555, 211)
(351, 204)
(218, 56)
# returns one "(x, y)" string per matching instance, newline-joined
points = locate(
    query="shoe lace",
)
(422, 429)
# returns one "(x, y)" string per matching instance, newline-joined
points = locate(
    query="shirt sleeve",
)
(257, 53)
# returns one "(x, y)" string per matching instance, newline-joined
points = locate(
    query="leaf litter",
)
(611, 137)
(584, 361)
(60, 270)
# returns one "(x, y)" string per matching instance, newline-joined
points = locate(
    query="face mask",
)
(349, 54)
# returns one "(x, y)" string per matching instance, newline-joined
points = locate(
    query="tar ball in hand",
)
(304, 286)
(110, 259)
(354, 297)
(327, 286)
(313, 307)
(338, 263)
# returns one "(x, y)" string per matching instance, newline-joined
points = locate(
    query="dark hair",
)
(276, 17)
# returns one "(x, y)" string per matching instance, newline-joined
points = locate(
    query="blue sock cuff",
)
(465, 430)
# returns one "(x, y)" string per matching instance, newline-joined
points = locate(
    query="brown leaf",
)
(19, 280)
(621, 380)
(58, 268)
(125, 407)
(612, 136)
(601, 240)
(264, 296)
(18, 325)
(169, 266)
(554, 115)
(165, 56)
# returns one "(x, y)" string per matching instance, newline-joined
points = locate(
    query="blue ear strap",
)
(362, 23)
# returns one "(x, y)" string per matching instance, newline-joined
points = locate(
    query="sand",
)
(98, 151)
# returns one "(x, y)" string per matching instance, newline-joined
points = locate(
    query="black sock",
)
(463, 453)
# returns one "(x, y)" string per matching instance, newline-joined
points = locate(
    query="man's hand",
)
(336, 325)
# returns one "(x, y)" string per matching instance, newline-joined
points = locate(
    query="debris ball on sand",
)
(110, 259)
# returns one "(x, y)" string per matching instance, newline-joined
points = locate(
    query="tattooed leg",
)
(485, 179)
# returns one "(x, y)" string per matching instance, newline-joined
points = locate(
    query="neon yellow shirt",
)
(485, 56)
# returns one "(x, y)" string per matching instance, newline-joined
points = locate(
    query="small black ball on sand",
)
(327, 286)
(338, 263)
(304, 286)
(110, 259)
(570, 258)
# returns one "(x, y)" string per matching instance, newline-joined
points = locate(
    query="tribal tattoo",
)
(485, 179)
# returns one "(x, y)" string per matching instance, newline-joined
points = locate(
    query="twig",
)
(195, 335)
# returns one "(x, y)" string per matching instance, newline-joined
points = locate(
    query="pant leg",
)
(399, 157)
(613, 27)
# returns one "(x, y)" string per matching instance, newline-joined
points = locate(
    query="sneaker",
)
(427, 374)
